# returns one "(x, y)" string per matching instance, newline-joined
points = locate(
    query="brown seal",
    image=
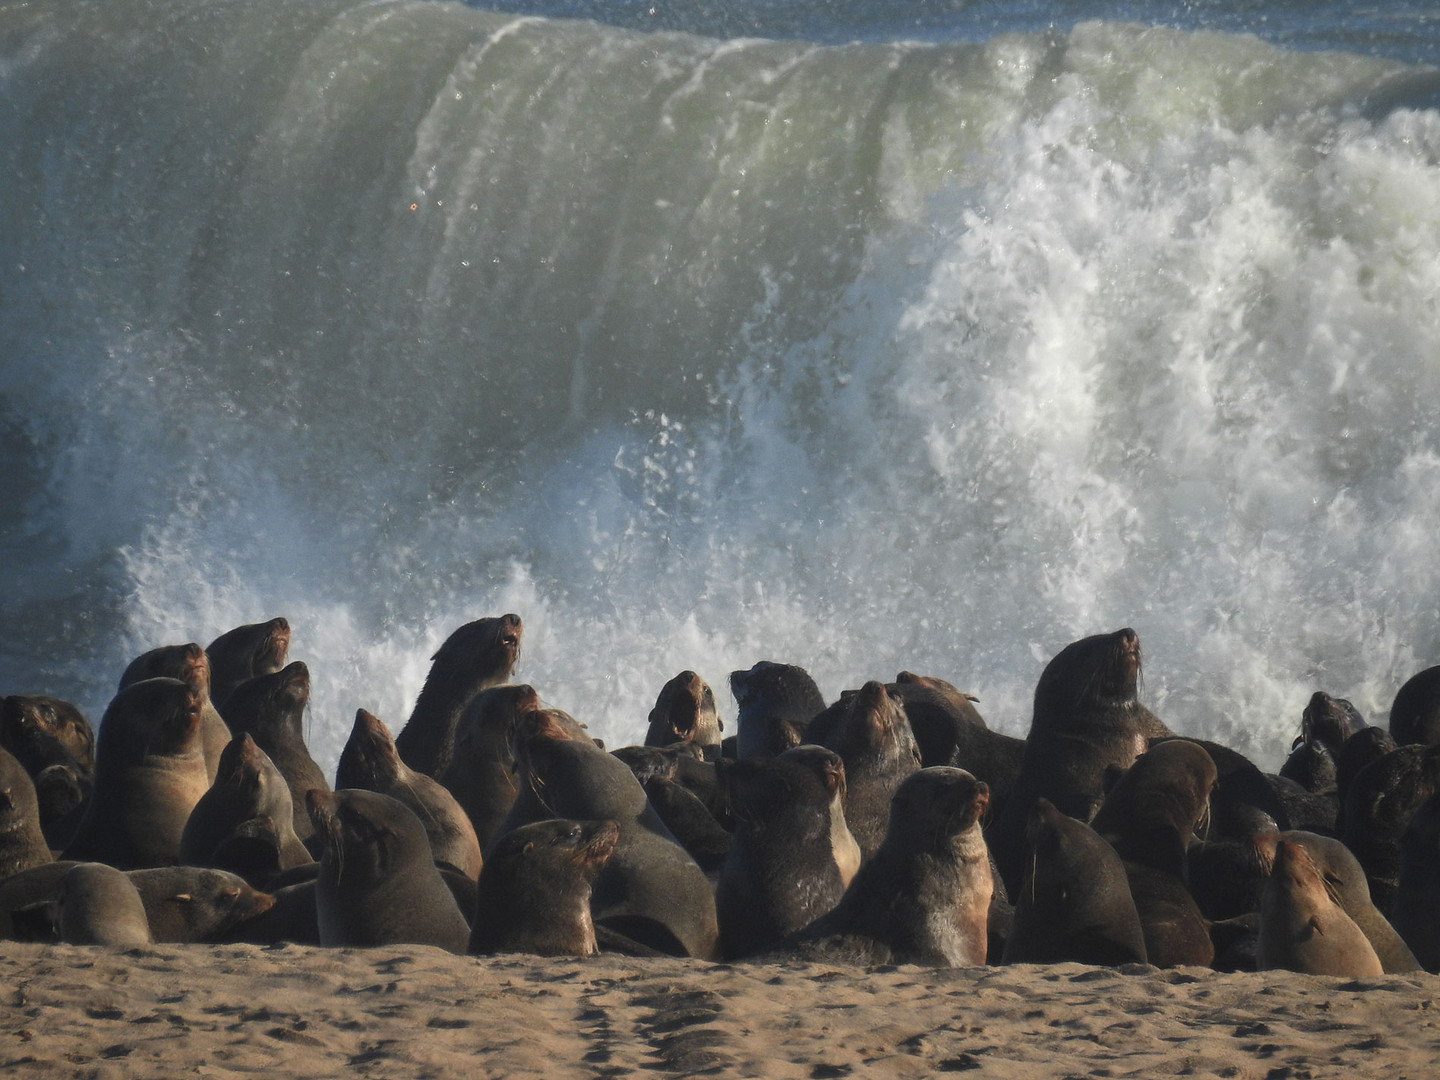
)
(369, 761)
(925, 896)
(196, 903)
(150, 772)
(685, 712)
(378, 884)
(1075, 903)
(99, 905)
(245, 652)
(271, 709)
(1345, 881)
(1088, 725)
(1302, 928)
(247, 786)
(651, 890)
(1150, 817)
(1378, 804)
(22, 843)
(782, 870)
(481, 770)
(777, 703)
(190, 665)
(55, 744)
(533, 895)
(876, 743)
(480, 654)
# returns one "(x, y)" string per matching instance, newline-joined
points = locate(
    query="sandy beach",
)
(292, 1011)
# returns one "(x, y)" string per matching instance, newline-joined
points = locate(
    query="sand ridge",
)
(415, 1011)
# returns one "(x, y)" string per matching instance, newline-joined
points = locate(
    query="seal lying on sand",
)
(480, 654)
(1075, 903)
(534, 891)
(925, 896)
(378, 884)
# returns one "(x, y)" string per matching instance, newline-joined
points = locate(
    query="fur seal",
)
(533, 895)
(150, 772)
(1149, 817)
(1088, 725)
(195, 903)
(1302, 928)
(55, 744)
(676, 797)
(99, 905)
(247, 786)
(245, 652)
(190, 665)
(271, 710)
(651, 890)
(777, 703)
(1075, 903)
(782, 870)
(1415, 712)
(481, 771)
(685, 712)
(369, 761)
(925, 897)
(1345, 881)
(1417, 892)
(1378, 805)
(1367, 745)
(1330, 721)
(22, 843)
(878, 747)
(480, 654)
(378, 884)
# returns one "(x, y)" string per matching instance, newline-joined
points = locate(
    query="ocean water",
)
(927, 336)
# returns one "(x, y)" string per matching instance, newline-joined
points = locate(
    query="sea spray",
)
(389, 316)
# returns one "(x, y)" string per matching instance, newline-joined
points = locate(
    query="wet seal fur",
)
(190, 665)
(481, 771)
(534, 891)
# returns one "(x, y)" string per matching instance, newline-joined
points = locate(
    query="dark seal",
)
(925, 896)
(685, 712)
(378, 884)
(534, 891)
(777, 703)
(245, 652)
(480, 654)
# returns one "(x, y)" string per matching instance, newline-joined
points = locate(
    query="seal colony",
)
(839, 831)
